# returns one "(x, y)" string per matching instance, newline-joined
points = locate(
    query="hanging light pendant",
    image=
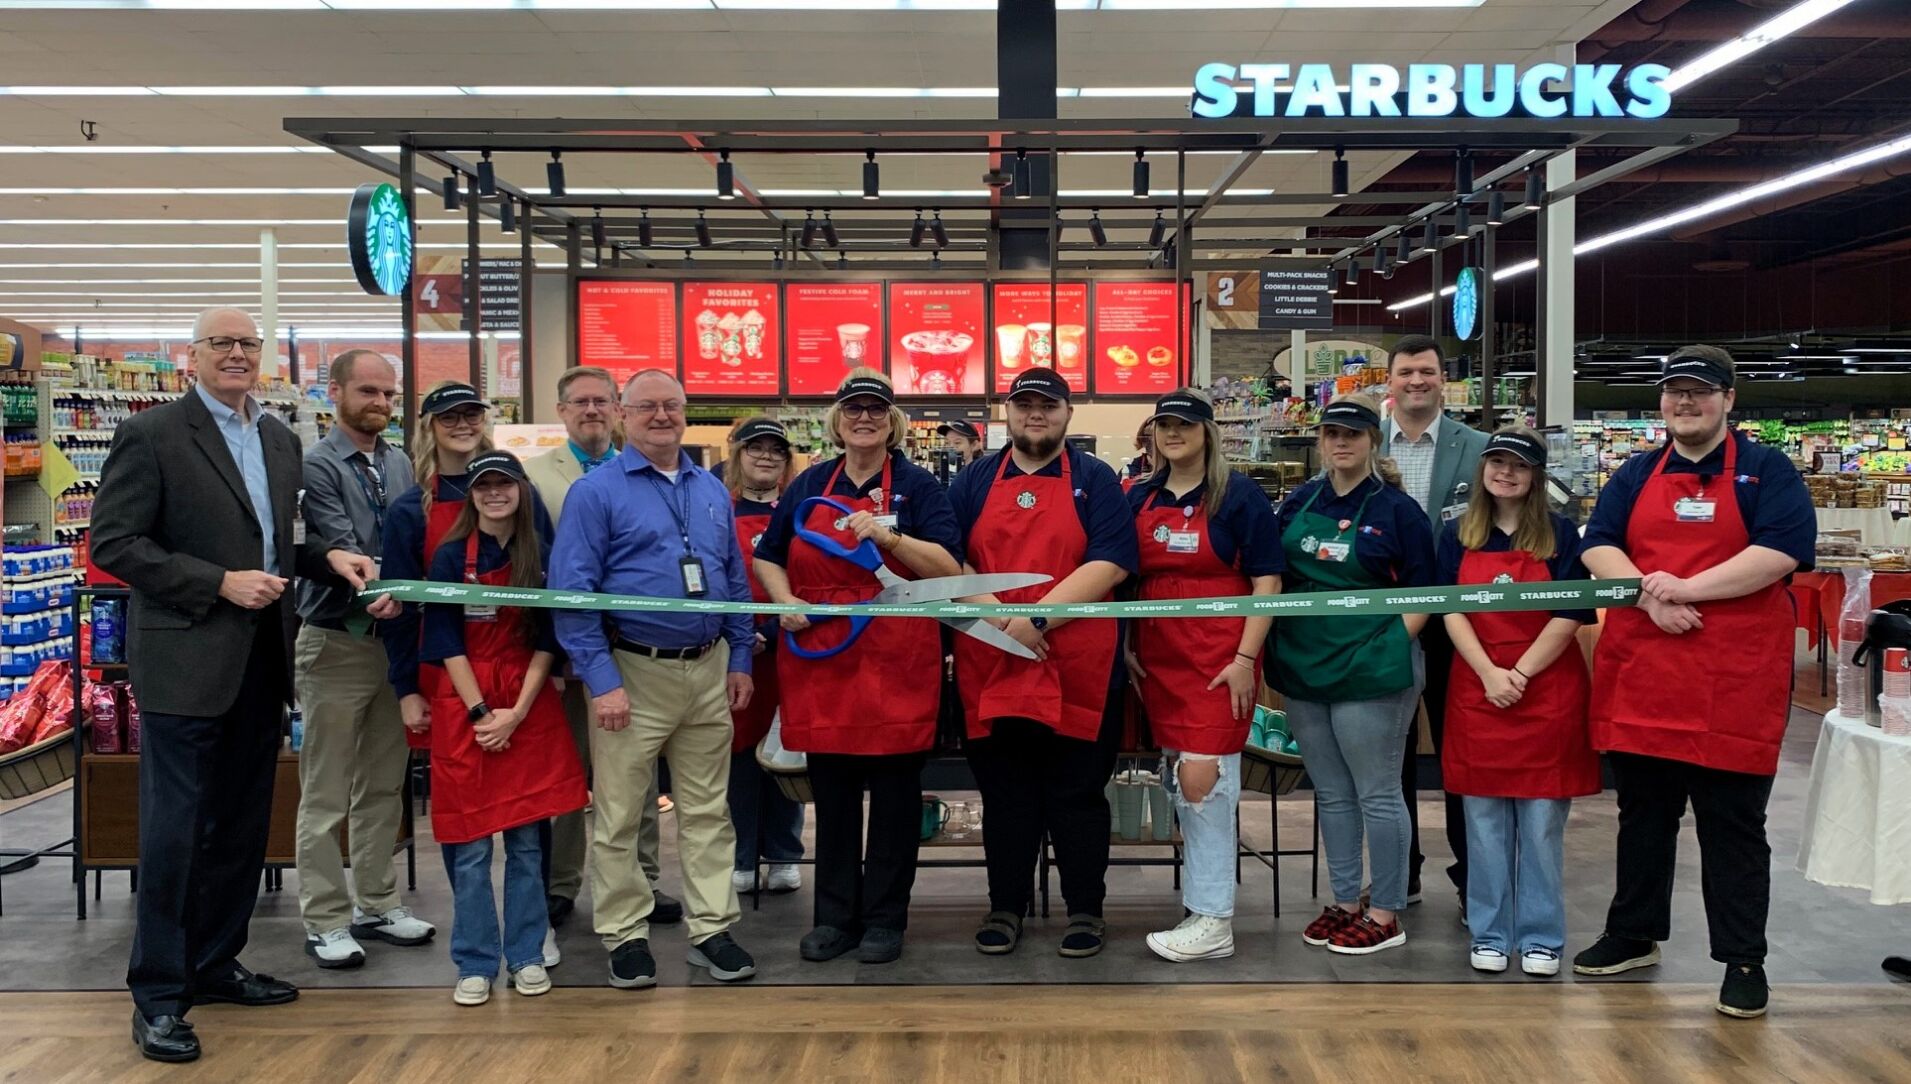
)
(726, 177)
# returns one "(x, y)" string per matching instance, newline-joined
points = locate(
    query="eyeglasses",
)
(864, 410)
(223, 344)
(650, 406)
(462, 419)
(1695, 395)
(776, 453)
(590, 404)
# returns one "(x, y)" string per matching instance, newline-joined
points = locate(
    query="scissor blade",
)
(948, 587)
(989, 634)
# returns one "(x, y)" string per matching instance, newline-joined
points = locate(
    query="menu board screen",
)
(1035, 326)
(627, 326)
(834, 327)
(1134, 339)
(935, 338)
(732, 341)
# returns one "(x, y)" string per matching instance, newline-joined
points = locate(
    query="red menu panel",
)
(627, 326)
(1034, 327)
(935, 338)
(732, 339)
(1134, 339)
(834, 327)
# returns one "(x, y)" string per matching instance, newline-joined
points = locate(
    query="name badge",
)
(1452, 512)
(480, 613)
(694, 583)
(298, 530)
(888, 521)
(1693, 509)
(1184, 542)
(1333, 551)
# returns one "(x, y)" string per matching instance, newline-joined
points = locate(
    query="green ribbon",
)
(1467, 598)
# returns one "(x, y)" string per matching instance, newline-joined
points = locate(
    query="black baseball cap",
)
(966, 429)
(763, 427)
(1708, 363)
(1519, 444)
(1348, 414)
(1189, 408)
(866, 385)
(498, 462)
(1042, 382)
(451, 397)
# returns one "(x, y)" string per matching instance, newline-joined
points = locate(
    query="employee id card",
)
(1333, 551)
(1694, 509)
(1184, 542)
(474, 612)
(694, 582)
(1452, 512)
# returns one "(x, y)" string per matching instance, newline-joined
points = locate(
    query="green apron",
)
(1333, 660)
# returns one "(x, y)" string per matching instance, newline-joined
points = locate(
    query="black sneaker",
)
(880, 946)
(1744, 992)
(667, 910)
(1612, 954)
(725, 959)
(631, 965)
(557, 908)
(826, 943)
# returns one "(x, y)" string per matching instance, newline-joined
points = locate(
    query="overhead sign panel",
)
(1482, 91)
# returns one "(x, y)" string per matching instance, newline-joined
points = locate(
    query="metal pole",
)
(408, 317)
(269, 300)
(526, 386)
(1433, 307)
(1554, 363)
(472, 320)
(1183, 260)
(1488, 262)
(292, 357)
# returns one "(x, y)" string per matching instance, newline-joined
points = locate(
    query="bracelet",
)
(1520, 672)
(1246, 658)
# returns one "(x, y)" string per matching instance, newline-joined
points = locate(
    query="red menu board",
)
(1134, 339)
(935, 338)
(627, 326)
(732, 339)
(1033, 328)
(834, 327)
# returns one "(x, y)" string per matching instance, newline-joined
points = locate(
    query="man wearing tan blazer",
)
(587, 404)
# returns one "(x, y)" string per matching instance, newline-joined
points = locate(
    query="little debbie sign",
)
(1431, 90)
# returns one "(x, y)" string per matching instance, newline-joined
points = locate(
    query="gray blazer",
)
(172, 518)
(340, 513)
(1455, 462)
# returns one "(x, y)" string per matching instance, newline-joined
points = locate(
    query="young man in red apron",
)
(1692, 688)
(1038, 741)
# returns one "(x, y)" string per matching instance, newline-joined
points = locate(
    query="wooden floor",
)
(1348, 1034)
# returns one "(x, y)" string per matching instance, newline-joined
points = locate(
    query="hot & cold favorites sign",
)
(1296, 300)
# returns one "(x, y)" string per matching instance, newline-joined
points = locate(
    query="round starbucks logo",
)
(1025, 500)
(378, 237)
(1504, 577)
(1309, 544)
(1161, 532)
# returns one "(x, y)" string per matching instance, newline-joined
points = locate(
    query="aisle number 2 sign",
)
(1233, 299)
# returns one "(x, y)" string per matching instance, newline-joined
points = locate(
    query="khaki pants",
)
(351, 773)
(680, 710)
(570, 839)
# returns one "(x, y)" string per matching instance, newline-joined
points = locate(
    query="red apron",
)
(1540, 747)
(432, 682)
(1719, 696)
(752, 723)
(1029, 524)
(1181, 655)
(880, 697)
(475, 794)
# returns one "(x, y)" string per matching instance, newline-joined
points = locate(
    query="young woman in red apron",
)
(1038, 746)
(1199, 678)
(503, 761)
(865, 716)
(1517, 748)
(769, 825)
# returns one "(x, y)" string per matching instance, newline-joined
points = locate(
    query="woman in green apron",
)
(1351, 683)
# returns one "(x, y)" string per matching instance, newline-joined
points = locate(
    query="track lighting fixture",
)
(1496, 208)
(554, 175)
(917, 229)
(809, 229)
(508, 215)
(1462, 221)
(872, 182)
(1462, 173)
(1535, 190)
(1406, 249)
(487, 176)
(940, 231)
(1340, 173)
(597, 227)
(1141, 175)
(1096, 231)
(1431, 241)
(644, 232)
(703, 230)
(1158, 231)
(726, 177)
(1022, 180)
(452, 200)
(829, 231)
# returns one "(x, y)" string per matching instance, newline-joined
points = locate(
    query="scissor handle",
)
(863, 554)
(857, 624)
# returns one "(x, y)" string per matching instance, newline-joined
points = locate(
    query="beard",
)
(1037, 448)
(365, 420)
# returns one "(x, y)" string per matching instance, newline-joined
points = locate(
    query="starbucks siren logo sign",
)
(378, 236)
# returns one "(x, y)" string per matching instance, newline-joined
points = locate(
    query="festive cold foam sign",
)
(834, 328)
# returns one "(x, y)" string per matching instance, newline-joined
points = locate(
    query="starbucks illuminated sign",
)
(1466, 303)
(1545, 90)
(378, 235)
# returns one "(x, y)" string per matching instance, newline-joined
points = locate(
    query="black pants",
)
(857, 887)
(1036, 782)
(1439, 651)
(1735, 860)
(205, 806)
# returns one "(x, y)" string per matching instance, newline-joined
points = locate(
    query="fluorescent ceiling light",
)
(184, 191)
(107, 148)
(562, 90)
(1765, 33)
(171, 282)
(1137, 92)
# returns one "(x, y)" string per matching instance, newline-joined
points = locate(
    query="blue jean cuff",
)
(515, 968)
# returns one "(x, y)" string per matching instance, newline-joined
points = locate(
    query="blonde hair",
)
(1215, 471)
(898, 421)
(1380, 465)
(733, 465)
(424, 455)
(1535, 531)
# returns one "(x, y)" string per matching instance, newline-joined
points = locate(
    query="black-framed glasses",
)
(1697, 395)
(865, 410)
(468, 419)
(590, 404)
(772, 451)
(223, 344)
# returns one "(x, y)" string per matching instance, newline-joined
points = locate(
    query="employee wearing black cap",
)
(1692, 687)
(964, 439)
(1037, 739)
(866, 715)
(1351, 682)
(1204, 531)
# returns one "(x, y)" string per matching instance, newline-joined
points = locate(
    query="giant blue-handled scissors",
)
(898, 590)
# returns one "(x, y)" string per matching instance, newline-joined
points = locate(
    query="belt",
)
(668, 654)
(336, 624)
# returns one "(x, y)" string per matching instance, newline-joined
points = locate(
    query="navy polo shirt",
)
(1563, 565)
(1243, 527)
(1394, 542)
(1772, 498)
(920, 504)
(1099, 503)
(444, 624)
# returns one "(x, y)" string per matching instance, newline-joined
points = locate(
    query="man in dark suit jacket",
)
(195, 513)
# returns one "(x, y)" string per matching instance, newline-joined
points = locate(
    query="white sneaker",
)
(531, 981)
(743, 880)
(472, 990)
(552, 957)
(334, 949)
(785, 877)
(397, 926)
(1538, 961)
(1487, 958)
(1199, 937)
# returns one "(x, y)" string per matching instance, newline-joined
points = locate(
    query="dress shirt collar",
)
(587, 461)
(1432, 433)
(635, 462)
(222, 413)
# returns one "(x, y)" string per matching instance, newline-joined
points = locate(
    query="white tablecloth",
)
(1858, 813)
(1876, 525)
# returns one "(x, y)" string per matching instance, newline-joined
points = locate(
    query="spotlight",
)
(1096, 232)
(940, 232)
(1462, 173)
(597, 227)
(1431, 241)
(1340, 173)
(1157, 231)
(935, 261)
(842, 261)
(829, 231)
(1141, 175)
(644, 233)
(1462, 221)
(1333, 280)
(1022, 183)
(1496, 208)
(1353, 272)
(703, 230)
(916, 229)
(508, 215)
(872, 184)
(452, 202)
(1406, 248)
(1535, 191)
(776, 262)
(554, 175)
(809, 229)
(726, 177)
(1380, 260)
(487, 176)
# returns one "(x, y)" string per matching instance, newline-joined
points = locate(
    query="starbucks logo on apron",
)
(876, 496)
(1310, 544)
(1161, 532)
(1504, 577)
(1025, 500)
(755, 541)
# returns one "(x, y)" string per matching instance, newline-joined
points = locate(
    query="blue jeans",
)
(475, 936)
(1208, 830)
(1352, 751)
(1516, 849)
(764, 816)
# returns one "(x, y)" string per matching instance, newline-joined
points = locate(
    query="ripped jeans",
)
(1208, 833)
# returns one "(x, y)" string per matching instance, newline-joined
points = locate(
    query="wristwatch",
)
(478, 711)
(1040, 623)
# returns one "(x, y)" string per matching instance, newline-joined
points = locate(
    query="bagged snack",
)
(132, 719)
(102, 705)
(58, 716)
(109, 631)
(19, 719)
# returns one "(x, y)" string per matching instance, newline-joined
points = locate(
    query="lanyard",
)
(680, 514)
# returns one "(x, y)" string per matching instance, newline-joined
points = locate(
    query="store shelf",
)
(74, 525)
(82, 434)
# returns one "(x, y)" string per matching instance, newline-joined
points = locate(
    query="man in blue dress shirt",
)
(653, 523)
